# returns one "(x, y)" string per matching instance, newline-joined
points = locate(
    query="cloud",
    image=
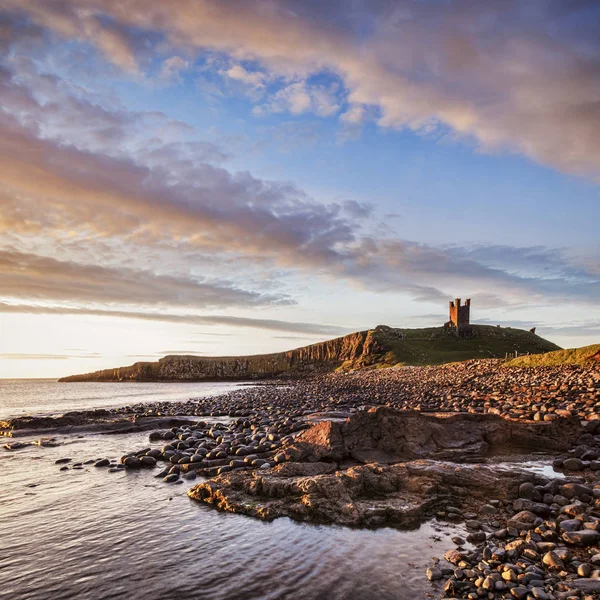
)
(159, 197)
(84, 177)
(354, 115)
(172, 67)
(20, 356)
(186, 319)
(587, 329)
(254, 79)
(163, 195)
(179, 352)
(301, 97)
(39, 278)
(160, 190)
(508, 75)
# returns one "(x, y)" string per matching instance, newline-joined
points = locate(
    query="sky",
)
(225, 178)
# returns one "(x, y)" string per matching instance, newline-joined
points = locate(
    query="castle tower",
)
(460, 316)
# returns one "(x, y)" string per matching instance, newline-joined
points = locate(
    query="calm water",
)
(90, 534)
(42, 396)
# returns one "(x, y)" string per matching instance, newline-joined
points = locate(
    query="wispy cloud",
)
(39, 278)
(172, 68)
(188, 319)
(22, 356)
(302, 97)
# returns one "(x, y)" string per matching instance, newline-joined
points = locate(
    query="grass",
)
(435, 345)
(571, 356)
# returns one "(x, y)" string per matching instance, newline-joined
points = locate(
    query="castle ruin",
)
(460, 316)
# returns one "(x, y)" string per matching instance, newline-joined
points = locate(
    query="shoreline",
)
(279, 455)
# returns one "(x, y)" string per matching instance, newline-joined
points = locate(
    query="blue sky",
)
(226, 178)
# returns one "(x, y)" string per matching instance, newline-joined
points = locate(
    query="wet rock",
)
(572, 490)
(132, 462)
(586, 537)
(488, 509)
(527, 490)
(350, 496)
(519, 592)
(16, 445)
(163, 473)
(570, 525)
(476, 538)
(587, 586)
(433, 574)
(552, 560)
(573, 464)
(523, 520)
(584, 570)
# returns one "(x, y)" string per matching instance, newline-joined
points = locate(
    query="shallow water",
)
(541, 468)
(46, 396)
(91, 534)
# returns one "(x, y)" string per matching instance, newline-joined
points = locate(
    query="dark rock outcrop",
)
(400, 484)
(387, 435)
(101, 421)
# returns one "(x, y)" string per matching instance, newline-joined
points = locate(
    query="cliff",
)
(382, 346)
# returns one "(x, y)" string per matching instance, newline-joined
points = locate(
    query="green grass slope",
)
(571, 356)
(436, 345)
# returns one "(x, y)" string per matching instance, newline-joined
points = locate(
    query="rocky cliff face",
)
(382, 345)
(357, 348)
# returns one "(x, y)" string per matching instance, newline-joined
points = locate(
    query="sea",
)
(89, 534)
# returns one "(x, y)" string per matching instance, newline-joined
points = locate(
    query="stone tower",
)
(460, 315)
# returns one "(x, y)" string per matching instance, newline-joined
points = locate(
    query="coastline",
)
(255, 462)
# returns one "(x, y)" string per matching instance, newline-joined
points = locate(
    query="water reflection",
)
(90, 534)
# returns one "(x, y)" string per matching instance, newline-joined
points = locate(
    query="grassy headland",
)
(379, 347)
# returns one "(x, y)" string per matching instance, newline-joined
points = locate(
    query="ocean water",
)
(90, 534)
(19, 397)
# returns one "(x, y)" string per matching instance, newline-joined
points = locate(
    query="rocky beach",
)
(394, 447)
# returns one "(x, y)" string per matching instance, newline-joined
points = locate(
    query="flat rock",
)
(401, 495)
